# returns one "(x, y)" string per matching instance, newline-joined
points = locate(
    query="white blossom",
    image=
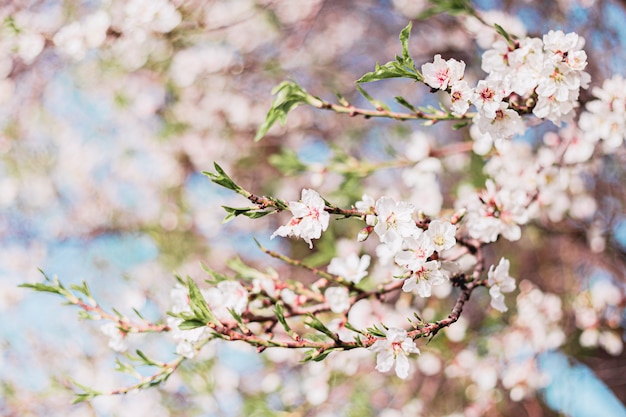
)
(506, 123)
(487, 97)
(309, 220)
(368, 206)
(225, 296)
(394, 220)
(500, 282)
(461, 97)
(442, 74)
(442, 234)
(338, 298)
(424, 278)
(417, 252)
(394, 349)
(117, 338)
(352, 268)
(497, 212)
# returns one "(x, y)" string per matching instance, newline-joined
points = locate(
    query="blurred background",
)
(110, 111)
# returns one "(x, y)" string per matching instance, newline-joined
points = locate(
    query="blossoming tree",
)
(426, 269)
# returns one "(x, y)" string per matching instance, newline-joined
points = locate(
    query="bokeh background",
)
(110, 111)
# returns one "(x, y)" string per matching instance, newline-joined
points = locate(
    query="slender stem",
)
(380, 112)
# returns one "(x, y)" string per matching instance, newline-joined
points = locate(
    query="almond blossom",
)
(394, 221)
(417, 252)
(309, 218)
(394, 349)
(226, 296)
(352, 268)
(500, 282)
(497, 212)
(443, 74)
(338, 298)
(442, 234)
(424, 278)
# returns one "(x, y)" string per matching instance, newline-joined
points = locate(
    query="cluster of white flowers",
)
(225, 296)
(408, 245)
(559, 189)
(536, 328)
(76, 38)
(605, 118)
(495, 211)
(542, 76)
(598, 315)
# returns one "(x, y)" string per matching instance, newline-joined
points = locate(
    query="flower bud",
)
(364, 233)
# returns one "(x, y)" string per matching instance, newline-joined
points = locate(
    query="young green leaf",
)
(452, 7)
(402, 67)
(198, 304)
(280, 315)
(316, 324)
(250, 212)
(509, 39)
(289, 95)
(191, 324)
(221, 178)
(379, 105)
(402, 101)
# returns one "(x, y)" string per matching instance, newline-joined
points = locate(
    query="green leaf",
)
(138, 313)
(280, 315)
(289, 95)
(198, 304)
(316, 355)
(316, 324)
(146, 360)
(460, 125)
(88, 393)
(191, 324)
(405, 34)
(405, 103)
(509, 39)
(402, 67)
(379, 105)
(83, 289)
(43, 288)
(244, 271)
(452, 7)
(221, 178)
(251, 212)
(349, 326)
(218, 277)
(375, 331)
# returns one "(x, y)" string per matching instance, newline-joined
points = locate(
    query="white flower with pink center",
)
(442, 74)
(394, 349)
(417, 252)
(394, 220)
(461, 96)
(487, 98)
(424, 278)
(309, 220)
